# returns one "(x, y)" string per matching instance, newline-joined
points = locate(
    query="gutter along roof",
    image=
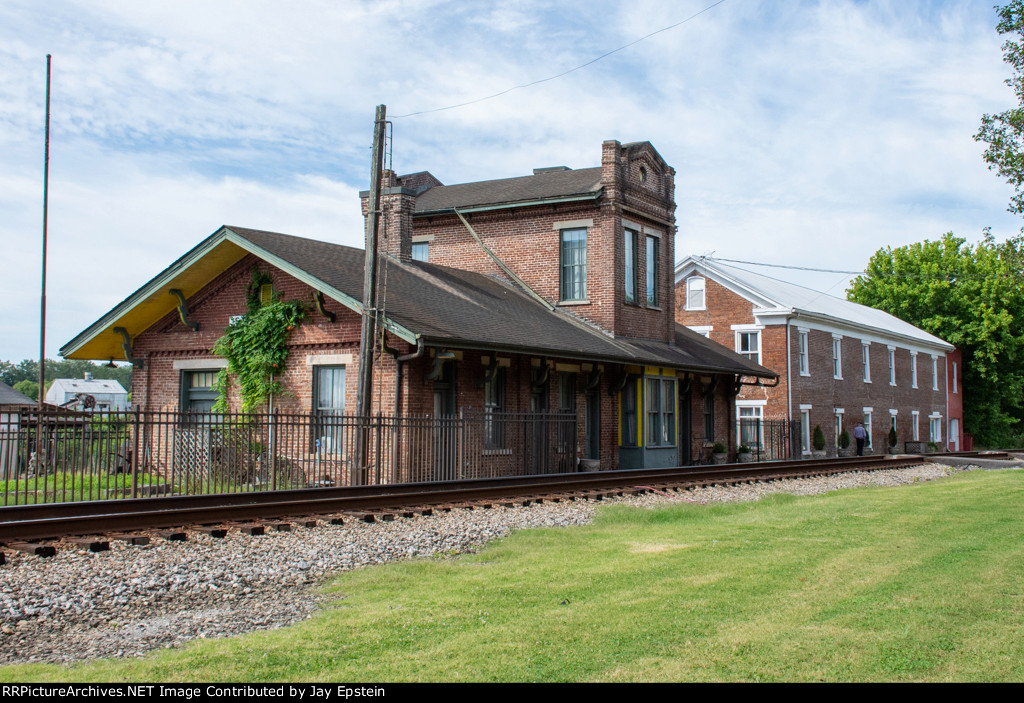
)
(421, 302)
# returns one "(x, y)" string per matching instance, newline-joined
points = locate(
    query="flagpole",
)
(42, 303)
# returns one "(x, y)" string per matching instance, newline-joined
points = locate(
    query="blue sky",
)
(809, 133)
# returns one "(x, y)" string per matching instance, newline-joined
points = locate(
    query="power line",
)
(563, 73)
(883, 274)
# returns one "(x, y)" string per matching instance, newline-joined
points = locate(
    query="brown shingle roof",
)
(584, 182)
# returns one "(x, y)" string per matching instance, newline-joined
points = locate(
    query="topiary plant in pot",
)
(744, 454)
(818, 442)
(892, 440)
(844, 444)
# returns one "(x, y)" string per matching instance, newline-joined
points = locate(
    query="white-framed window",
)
(837, 356)
(839, 423)
(866, 360)
(868, 412)
(915, 426)
(913, 369)
(652, 271)
(805, 429)
(935, 428)
(704, 330)
(805, 369)
(421, 251)
(629, 249)
(935, 373)
(573, 264)
(748, 344)
(328, 408)
(750, 423)
(954, 378)
(695, 293)
(892, 366)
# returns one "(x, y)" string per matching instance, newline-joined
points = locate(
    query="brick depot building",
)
(546, 292)
(838, 362)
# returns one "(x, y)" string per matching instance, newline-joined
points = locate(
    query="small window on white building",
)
(695, 298)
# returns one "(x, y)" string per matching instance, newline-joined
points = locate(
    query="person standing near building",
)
(860, 434)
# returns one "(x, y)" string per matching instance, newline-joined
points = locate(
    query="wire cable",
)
(563, 73)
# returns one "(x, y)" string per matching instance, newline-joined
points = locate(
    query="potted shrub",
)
(719, 453)
(933, 447)
(745, 455)
(892, 440)
(844, 444)
(818, 443)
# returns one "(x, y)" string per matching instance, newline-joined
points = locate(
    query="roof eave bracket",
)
(183, 310)
(126, 347)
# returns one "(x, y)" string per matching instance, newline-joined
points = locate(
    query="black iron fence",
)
(56, 457)
(767, 440)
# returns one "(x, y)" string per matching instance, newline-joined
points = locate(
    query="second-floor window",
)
(630, 264)
(652, 271)
(913, 369)
(574, 264)
(804, 367)
(695, 294)
(892, 366)
(837, 357)
(866, 358)
(748, 344)
(935, 373)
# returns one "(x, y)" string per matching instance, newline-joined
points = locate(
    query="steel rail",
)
(52, 521)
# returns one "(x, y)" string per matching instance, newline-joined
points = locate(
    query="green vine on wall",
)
(256, 347)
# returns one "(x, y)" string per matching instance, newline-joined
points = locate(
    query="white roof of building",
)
(80, 385)
(770, 295)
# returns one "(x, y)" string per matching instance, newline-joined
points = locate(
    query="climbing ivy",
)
(256, 347)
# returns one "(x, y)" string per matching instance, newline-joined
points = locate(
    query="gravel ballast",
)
(129, 600)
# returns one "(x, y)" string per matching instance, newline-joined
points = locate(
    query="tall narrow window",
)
(329, 406)
(494, 405)
(805, 431)
(954, 378)
(935, 373)
(749, 430)
(915, 425)
(709, 412)
(629, 248)
(629, 426)
(661, 407)
(837, 357)
(652, 271)
(892, 366)
(695, 298)
(867, 428)
(574, 264)
(866, 360)
(913, 369)
(805, 369)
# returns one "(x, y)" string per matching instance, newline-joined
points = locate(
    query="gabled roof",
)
(91, 386)
(421, 303)
(771, 295)
(543, 187)
(11, 397)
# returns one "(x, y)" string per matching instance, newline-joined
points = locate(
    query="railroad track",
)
(22, 527)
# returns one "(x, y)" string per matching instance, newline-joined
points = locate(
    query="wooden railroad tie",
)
(215, 532)
(337, 520)
(310, 523)
(172, 535)
(279, 526)
(93, 544)
(250, 529)
(39, 550)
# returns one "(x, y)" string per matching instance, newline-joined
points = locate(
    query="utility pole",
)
(42, 300)
(364, 392)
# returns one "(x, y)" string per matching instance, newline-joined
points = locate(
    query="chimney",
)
(397, 203)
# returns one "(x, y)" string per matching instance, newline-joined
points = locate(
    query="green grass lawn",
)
(918, 583)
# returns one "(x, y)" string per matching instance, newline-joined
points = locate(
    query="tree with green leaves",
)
(1004, 132)
(972, 297)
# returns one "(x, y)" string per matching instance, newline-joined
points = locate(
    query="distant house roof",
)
(11, 397)
(544, 186)
(771, 295)
(422, 303)
(93, 386)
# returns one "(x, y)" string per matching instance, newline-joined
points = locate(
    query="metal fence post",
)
(135, 455)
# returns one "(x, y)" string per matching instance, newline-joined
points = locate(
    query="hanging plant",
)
(256, 347)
